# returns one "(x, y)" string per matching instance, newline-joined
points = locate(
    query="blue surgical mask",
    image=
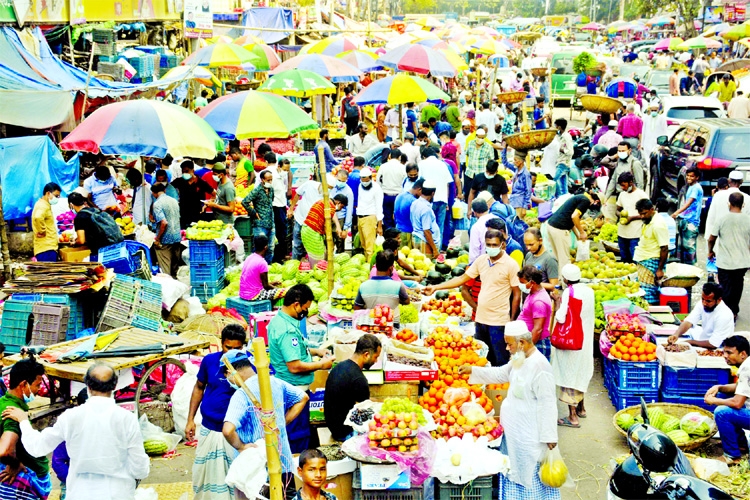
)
(187, 177)
(54, 201)
(102, 181)
(340, 184)
(367, 184)
(215, 178)
(493, 251)
(654, 113)
(489, 176)
(28, 399)
(233, 385)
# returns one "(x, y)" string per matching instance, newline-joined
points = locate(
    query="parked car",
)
(716, 146)
(629, 70)
(679, 109)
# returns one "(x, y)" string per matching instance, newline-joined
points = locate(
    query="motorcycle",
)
(654, 452)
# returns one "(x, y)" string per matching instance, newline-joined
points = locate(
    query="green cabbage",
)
(625, 421)
(290, 269)
(696, 424)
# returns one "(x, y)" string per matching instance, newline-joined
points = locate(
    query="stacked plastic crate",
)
(132, 302)
(628, 381)
(16, 325)
(689, 386)
(75, 316)
(206, 269)
(50, 323)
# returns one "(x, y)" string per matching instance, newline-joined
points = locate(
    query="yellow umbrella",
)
(455, 60)
(744, 42)
(200, 73)
(737, 32)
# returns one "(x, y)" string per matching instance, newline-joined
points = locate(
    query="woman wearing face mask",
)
(43, 224)
(291, 358)
(537, 308)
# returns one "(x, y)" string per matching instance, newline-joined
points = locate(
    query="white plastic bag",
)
(582, 250)
(151, 432)
(171, 289)
(248, 471)
(146, 494)
(183, 390)
(461, 460)
(552, 471)
(144, 235)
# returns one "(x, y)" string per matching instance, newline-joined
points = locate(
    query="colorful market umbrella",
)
(144, 127)
(592, 26)
(660, 21)
(400, 89)
(442, 44)
(501, 60)
(670, 43)
(699, 42)
(736, 32)
(456, 61)
(267, 57)
(418, 59)
(199, 73)
(716, 29)
(248, 40)
(327, 66)
(237, 116)
(331, 46)
(297, 83)
(360, 59)
(222, 55)
(428, 22)
(485, 31)
(488, 46)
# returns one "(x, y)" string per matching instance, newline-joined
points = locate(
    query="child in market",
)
(312, 470)
(688, 217)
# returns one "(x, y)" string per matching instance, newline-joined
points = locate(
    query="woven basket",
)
(511, 97)
(534, 139)
(600, 103)
(681, 282)
(676, 410)
(539, 71)
(611, 247)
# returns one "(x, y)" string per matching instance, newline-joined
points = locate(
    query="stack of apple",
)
(380, 320)
(621, 324)
(452, 306)
(407, 336)
(394, 432)
(452, 423)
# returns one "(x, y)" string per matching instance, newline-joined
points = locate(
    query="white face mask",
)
(268, 185)
(654, 114)
(524, 288)
(479, 141)
(187, 177)
(493, 251)
(623, 155)
(215, 178)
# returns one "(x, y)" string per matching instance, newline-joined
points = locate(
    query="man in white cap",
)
(654, 126)
(478, 152)
(573, 369)
(611, 138)
(369, 212)
(720, 203)
(500, 288)
(527, 415)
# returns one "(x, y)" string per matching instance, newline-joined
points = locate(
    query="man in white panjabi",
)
(573, 369)
(528, 415)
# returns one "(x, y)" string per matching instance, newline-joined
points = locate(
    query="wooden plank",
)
(129, 336)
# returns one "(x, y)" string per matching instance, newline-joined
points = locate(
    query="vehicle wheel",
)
(150, 398)
(653, 184)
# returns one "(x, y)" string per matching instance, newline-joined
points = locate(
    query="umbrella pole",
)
(492, 83)
(401, 122)
(4, 241)
(143, 189)
(327, 214)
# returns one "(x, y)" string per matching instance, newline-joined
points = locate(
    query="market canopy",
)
(670, 43)
(737, 31)
(223, 55)
(418, 59)
(699, 42)
(331, 46)
(327, 66)
(400, 89)
(360, 59)
(297, 83)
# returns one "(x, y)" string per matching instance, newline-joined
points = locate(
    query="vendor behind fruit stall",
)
(43, 224)
(392, 243)
(381, 288)
(346, 385)
(715, 316)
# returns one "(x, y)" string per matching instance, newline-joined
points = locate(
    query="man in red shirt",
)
(313, 229)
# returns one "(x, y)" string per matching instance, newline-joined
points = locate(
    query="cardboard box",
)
(342, 352)
(395, 372)
(317, 412)
(319, 382)
(384, 477)
(74, 254)
(408, 389)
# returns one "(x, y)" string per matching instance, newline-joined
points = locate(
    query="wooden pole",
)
(268, 415)
(327, 214)
(4, 241)
(88, 80)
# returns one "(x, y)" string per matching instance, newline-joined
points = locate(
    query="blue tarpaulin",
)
(26, 165)
(268, 17)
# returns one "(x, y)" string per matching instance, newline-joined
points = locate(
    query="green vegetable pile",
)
(582, 62)
(696, 424)
(403, 405)
(737, 483)
(608, 232)
(409, 314)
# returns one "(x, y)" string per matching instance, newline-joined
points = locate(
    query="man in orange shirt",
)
(313, 229)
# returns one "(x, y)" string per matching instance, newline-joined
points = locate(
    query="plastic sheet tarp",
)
(268, 17)
(35, 108)
(26, 165)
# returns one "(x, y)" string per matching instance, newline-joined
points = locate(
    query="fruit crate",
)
(309, 144)
(478, 489)
(50, 324)
(622, 400)
(146, 323)
(205, 252)
(693, 381)
(201, 273)
(244, 226)
(75, 318)
(685, 399)
(103, 36)
(206, 290)
(117, 257)
(410, 494)
(113, 69)
(631, 377)
(16, 324)
(247, 307)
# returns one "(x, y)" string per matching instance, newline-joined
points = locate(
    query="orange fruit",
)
(632, 351)
(642, 357)
(650, 356)
(650, 348)
(626, 357)
(616, 353)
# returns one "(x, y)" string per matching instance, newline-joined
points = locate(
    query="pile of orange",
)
(632, 348)
(498, 387)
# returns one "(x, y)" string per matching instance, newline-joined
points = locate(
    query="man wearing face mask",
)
(539, 258)
(391, 176)
(223, 205)
(43, 224)
(629, 222)
(192, 190)
(345, 214)
(652, 250)
(573, 369)
(291, 358)
(654, 126)
(369, 212)
(259, 206)
(564, 157)
(426, 235)
(161, 177)
(101, 187)
(476, 234)
(500, 284)
(346, 385)
(22, 474)
(625, 163)
(94, 470)
(527, 415)
(568, 218)
(478, 153)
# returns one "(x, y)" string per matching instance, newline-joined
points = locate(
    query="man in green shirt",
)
(21, 475)
(291, 358)
(429, 111)
(453, 114)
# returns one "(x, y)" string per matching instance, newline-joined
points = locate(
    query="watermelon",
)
(274, 278)
(319, 293)
(625, 421)
(320, 274)
(322, 265)
(313, 283)
(290, 269)
(288, 283)
(274, 268)
(669, 423)
(358, 259)
(313, 309)
(341, 258)
(304, 277)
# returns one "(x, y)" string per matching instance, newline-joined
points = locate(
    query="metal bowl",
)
(511, 97)
(600, 103)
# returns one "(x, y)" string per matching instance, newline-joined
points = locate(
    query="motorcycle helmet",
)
(575, 133)
(627, 480)
(599, 151)
(653, 449)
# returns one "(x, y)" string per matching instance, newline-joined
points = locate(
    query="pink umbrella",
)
(667, 43)
(592, 26)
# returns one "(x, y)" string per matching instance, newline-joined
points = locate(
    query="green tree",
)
(418, 6)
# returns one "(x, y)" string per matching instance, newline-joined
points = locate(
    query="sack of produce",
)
(155, 440)
(409, 354)
(696, 424)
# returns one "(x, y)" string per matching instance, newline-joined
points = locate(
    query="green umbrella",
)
(298, 83)
(699, 42)
(738, 31)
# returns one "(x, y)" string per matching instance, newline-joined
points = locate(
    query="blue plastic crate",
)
(623, 400)
(117, 257)
(685, 399)
(75, 319)
(695, 381)
(205, 252)
(146, 323)
(200, 272)
(247, 307)
(15, 328)
(629, 376)
(205, 292)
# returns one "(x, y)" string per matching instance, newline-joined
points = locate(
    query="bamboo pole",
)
(268, 416)
(327, 214)
(4, 240)
(88, 80)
